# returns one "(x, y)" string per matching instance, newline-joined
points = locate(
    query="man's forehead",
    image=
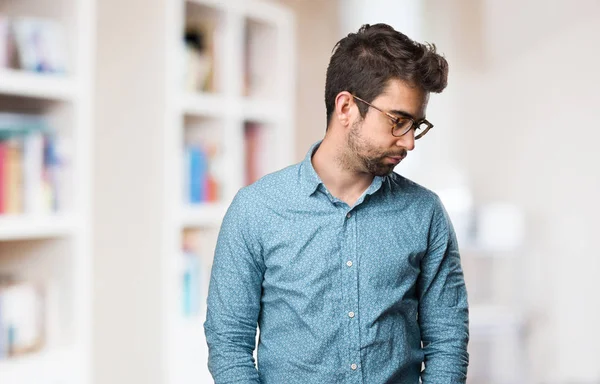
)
(404, 99)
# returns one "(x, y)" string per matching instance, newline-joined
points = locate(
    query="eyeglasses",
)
(403, 124)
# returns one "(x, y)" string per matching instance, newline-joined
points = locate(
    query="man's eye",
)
(402, 122)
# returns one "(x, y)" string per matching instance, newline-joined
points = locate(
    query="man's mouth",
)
(396, 159)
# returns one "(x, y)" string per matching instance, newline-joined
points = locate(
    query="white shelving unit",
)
(243, 30)
(52, 367)
(23, 227)
(27, 84)
(54, 248)
(205, 214)
(142, 209)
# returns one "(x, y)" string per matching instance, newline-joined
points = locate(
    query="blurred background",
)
(126, 128)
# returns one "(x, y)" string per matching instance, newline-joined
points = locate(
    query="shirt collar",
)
(311, 180)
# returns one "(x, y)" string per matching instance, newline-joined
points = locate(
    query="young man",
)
(351, 271)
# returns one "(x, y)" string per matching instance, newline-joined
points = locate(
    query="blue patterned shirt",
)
(341, 294)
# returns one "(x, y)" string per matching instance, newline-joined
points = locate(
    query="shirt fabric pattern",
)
(341, 294)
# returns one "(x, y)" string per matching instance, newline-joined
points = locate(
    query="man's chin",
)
(383, 170)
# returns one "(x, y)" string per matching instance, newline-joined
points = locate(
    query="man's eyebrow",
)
(404, 114)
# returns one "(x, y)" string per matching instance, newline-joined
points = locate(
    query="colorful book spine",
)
(200, 183)
(13, 173)
(191, 283)
(197, 173)
(30, 166)
(33, 168)
(51, 172)
(3, 178)
(197, 249)
(253, 139)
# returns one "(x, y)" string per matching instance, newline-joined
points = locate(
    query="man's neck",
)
(337, 174)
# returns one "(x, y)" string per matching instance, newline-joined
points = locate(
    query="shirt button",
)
(351, 314)
(348, 215)
(349, 263)
(353, 367)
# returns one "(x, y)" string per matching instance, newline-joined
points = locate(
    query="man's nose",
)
(407, 141)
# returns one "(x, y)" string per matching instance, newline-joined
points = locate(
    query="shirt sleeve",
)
(443, 307)
(234, 299)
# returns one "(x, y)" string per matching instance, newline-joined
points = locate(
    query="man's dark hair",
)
(362, 63)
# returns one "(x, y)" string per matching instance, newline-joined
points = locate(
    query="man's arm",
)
(234, 299)
(443, 307)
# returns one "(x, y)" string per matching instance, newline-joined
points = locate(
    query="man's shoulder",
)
(413, 198)
(402, 186)
(278, 180)
(281, 182)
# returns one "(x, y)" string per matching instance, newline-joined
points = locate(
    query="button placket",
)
(353, 322)
(348, 282)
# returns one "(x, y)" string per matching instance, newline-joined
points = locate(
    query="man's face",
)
(372, 147)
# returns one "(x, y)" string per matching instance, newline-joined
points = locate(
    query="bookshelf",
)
(24, 84)
(245, 114)
(36, 227)
(45, 255)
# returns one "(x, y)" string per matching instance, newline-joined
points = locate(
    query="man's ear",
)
(344, 111)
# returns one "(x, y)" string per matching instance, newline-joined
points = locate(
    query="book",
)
(21, 318)
(199, 52)
(3, 177)
(259, 60)
(198, 246)
(253, 149)
(13, 176)
(197, 173)
(40, 44)
(33, 173)
(32, 165)
(190, 283)
(4, 44)
(200, 182)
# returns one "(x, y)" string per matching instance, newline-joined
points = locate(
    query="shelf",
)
(205, 214)
(48, 367)
(38, 85)
(214, 105)
(218, 4)
(261, 110)
(21, 227)
(203, 104)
